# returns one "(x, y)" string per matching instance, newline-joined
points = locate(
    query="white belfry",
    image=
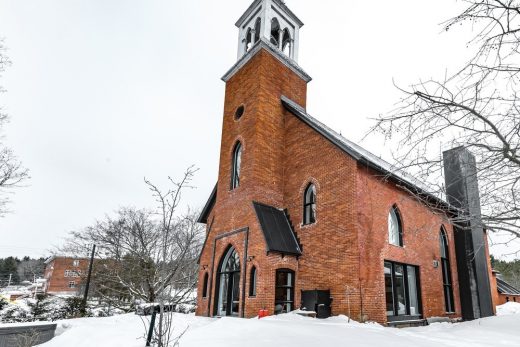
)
(270, 21)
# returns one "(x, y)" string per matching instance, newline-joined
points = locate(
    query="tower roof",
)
(255, 4)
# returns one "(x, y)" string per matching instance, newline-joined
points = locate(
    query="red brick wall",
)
(57, 283)
(421, 228)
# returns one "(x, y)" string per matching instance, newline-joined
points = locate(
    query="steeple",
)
(269, 21)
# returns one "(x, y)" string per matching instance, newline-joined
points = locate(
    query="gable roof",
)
(277, 230)
(505, 288)
(204, 214)
(359, 153)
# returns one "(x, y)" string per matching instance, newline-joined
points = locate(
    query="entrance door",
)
(228, 295)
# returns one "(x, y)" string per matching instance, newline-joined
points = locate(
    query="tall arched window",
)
(446, 272)
(309, 205)
(275, 32)
(249, 39)
(228, 277)
(205, 286)
(395, 227)
(237, 161)
(252, 282)
(258, 27)
(286, 42)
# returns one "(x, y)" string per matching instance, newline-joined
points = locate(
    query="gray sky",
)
(103, 93)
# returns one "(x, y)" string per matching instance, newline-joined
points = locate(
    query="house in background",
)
(505, 292)
(302, 217)
(63, 275)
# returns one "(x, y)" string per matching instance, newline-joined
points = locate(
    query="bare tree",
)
(476, 107)
(12, 172)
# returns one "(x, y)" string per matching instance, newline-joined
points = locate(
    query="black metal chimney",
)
(460, 173)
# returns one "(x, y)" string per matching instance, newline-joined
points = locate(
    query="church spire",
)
(269, 21)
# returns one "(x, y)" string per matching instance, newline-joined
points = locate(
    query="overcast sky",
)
(103, 93)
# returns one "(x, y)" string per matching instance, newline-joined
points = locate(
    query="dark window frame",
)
(285, 286)
(231, 252)
(309, 205)
(252, 281)
(447, 282)
(236, 165)
(396, 316)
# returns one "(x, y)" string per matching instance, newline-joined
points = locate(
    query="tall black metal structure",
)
(472, 264)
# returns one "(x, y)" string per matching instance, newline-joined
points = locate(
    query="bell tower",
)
(269, 21)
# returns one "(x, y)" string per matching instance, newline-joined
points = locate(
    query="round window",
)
(239, 112)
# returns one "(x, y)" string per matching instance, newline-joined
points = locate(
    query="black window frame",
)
(399, 219)
(408, 316)
(252, 281)
(284, 286)
(205, 285)
(447, 282)
(309, 205)
(236, 166)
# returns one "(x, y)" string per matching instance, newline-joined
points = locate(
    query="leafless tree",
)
(476, 107)
(12, 173)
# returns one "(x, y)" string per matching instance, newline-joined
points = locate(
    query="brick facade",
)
(346, 247)
(61, 271)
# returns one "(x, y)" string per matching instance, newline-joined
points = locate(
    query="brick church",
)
(302, 218)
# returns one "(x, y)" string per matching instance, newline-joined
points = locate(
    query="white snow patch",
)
(292, 330)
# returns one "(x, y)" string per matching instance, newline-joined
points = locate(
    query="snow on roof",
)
(357, 152)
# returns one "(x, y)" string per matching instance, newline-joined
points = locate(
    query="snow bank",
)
(508, 308)
(291, 330)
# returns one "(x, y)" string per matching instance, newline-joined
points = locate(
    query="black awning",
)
(277, 230)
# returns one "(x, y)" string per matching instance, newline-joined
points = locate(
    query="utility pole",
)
(87, 285)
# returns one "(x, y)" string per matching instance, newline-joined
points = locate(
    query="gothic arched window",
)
(446, 272)
(252, 282)
(275, 32)
(228, 284)
(286, 42)
(237, 160)
(395, 227)
(258, 27)
(249, 39)
(205, 286)
(309, 204)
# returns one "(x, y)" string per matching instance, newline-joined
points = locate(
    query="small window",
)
(276, 32)
(67, 273)
(72, 284)
(309, 205)
(284, 291)
(205, 286)
(239, 112)
(237, 161)
(258, 27)
(75, 263)
(252, 282)
(395, 229)
(286, 42)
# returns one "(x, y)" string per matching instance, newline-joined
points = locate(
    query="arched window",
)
(205, 286)
(258, 27)
(228, 277)
(249, 39)
(446, 272)
(286, 42)
(275, 32)
(252, 282)
(309, 205)
(395, 227)
(237, 161)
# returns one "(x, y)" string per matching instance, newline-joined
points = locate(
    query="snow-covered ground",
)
(292, 330)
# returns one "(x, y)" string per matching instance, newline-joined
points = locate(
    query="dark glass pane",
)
(284, 291)
(412, 290)
(400, 289)
(223, 294)
(252, 282)
(388, 290)
(235, 293)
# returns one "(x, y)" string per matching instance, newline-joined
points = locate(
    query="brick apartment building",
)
(64, 275)
(302, 217)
